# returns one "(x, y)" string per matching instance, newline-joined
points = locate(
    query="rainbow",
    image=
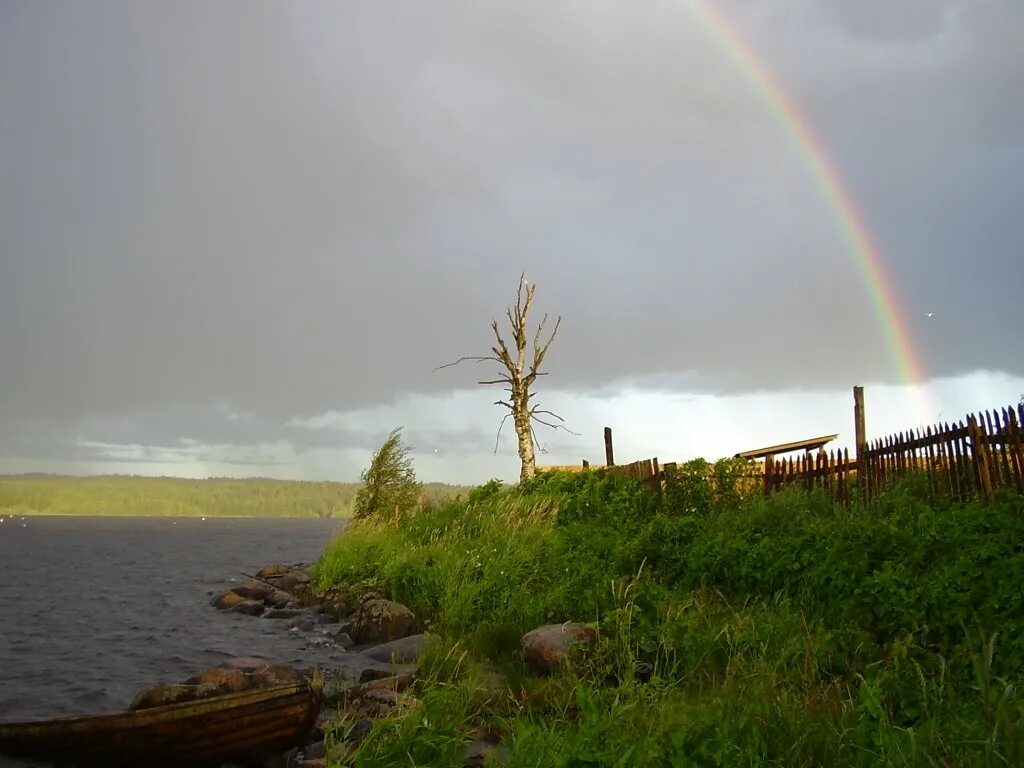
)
(877, 282)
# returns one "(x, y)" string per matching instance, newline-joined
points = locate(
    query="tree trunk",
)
(524, 432)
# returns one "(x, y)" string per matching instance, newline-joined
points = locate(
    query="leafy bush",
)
(389, 483)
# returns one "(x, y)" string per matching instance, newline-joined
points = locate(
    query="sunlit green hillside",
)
(172, 496)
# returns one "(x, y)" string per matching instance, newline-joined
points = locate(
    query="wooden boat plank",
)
(209, 731)
(229, 731)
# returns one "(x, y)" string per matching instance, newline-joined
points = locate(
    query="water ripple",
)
(94, 609)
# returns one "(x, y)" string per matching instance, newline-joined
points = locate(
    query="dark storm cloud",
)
(299, 207)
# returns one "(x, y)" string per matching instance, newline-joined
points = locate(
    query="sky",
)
(238, 238)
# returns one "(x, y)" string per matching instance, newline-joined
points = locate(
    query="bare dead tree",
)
(519, 378)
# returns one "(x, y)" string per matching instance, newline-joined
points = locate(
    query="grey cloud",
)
(298, 208)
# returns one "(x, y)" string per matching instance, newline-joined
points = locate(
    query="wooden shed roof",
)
(810, 444)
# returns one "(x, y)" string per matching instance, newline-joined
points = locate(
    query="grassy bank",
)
(180, 497)
(784, 631)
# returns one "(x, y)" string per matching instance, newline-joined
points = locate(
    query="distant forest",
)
(180, 497)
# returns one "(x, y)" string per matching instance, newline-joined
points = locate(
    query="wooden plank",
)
(609, 455)
(811, 443)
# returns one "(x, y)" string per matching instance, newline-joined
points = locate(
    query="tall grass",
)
(781, 631)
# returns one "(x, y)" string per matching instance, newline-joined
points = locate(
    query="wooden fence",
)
(833, 471)
(970, 458)
(645, 470)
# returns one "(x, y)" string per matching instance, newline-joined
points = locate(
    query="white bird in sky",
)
(931, 314)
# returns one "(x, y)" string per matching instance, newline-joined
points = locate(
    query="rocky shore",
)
(376, 643)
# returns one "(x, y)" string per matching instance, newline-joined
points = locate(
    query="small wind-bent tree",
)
(519, 378)
(389, 483)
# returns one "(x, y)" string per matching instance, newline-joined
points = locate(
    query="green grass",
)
(783, 631)
(179, 497)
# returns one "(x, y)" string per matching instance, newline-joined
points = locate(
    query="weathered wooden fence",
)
(973, 457)
(645, 470)
(967, 459)
(970, 458)
(833, 471)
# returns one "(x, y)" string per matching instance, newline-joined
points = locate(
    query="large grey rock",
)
(547, 648)
(405, 650)
(343, 600)
(253, 590)
(380, 621)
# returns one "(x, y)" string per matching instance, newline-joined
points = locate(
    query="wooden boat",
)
(245, 727)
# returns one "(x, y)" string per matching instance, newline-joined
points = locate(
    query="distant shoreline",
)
(7, 515)
(173, 497)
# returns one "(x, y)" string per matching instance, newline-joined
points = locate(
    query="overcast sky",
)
(236, 238)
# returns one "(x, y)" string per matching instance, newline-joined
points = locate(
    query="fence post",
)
(980, 451)
(608, 454)
(861, 437)
(586, 464)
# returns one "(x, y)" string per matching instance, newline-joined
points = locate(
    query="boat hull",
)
(250, 726)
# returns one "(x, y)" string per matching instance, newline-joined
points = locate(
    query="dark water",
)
(94, 609)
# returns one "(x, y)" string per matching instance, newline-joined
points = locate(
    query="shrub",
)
(390, 485)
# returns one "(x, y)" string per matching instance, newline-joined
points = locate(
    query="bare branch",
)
(536, 442)
(468, 357)
(537, 409)
(554, 426)
(536, 336)
(540, 352)
(501, 350)
(498, 437)
(507, 405)
(502, 380)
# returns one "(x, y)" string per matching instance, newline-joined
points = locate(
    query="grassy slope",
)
(783, 632)
(171, 496)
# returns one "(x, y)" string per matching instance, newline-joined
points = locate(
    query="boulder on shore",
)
(343, 600)
(273, 571)
(547, 648)
(253, 590)
(380, 621)
(405, 650)
(228, 599)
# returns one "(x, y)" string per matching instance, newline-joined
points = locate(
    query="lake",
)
(92, 609)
